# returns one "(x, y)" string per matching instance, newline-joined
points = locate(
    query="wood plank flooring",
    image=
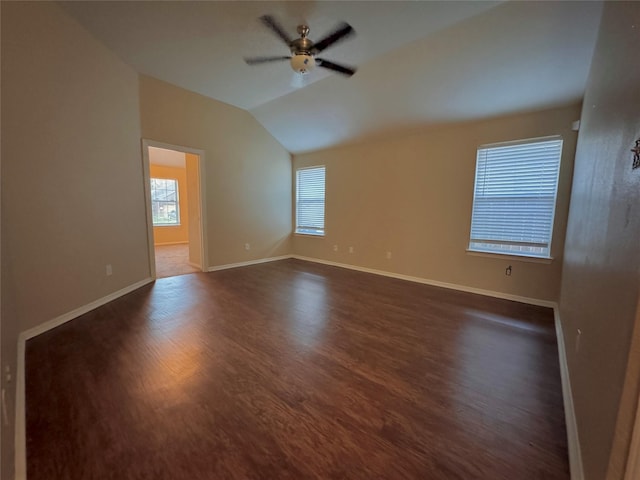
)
(294, 370)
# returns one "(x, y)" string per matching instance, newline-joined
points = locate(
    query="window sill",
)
(167, 225)
(307, 234)
(507, 256)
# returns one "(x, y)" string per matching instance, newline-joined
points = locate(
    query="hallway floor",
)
(172, 260)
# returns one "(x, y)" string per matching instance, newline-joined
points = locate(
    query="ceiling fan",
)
(303, 50)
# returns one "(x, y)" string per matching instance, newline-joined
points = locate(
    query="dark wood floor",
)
(296, 370)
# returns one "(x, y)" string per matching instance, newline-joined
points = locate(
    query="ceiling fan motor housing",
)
(302, 63)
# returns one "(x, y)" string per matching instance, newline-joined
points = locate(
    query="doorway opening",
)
(174, 191)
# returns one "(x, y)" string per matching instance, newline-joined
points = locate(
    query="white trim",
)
(204, 255)
(524, 141)
(573, 442)
(20, 434)
(507, 256)
(250, 262)
(202, 177)
(435, 283)
(165, 244)
(20, 431)
(310, 235)
(146, 181)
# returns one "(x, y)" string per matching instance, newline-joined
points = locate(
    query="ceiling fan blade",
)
(271, 23)
(259, 60)
(344, 70)
(341, 32)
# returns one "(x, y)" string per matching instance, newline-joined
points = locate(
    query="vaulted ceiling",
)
(419, 62)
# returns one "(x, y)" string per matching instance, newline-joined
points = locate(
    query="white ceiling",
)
(419, 62)
(167, 158)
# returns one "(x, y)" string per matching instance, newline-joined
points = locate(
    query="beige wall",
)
(412, 195)
(72, 198)
(602, 257)
(248, 173)
(72, 118)
(170, 234)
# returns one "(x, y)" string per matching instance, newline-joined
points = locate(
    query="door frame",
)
(632, 470)
(633, 461)
(146, 173)
(628, 413)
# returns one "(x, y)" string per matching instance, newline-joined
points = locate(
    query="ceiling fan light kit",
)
(302, 63)
(303, 50)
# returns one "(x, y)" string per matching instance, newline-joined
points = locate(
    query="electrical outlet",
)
(508, 271)
(247, 246)
(388, 255)
(350, 249)
(7, 374)
(335, 248)
(109, 270)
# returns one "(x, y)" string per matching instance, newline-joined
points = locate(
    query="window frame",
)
(310, 230)
(509, 250)
(177, 202)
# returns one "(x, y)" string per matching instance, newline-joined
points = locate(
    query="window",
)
(515, 197)
(164, 202)
(310, 201)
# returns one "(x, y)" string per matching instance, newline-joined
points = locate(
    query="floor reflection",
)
(496, 359)
(308, 319)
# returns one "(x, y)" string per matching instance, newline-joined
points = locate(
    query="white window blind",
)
(515, 197)
(310, 200)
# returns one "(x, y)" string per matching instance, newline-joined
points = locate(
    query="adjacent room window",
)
(164, 202)
(310, 200)
(515, 197)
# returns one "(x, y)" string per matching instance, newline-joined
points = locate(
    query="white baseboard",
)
(20, 421)
(425, 281)
(46, 326)
(196, 265)
(435, 283)
(246, 264)
(20, 435)
(573, 442)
